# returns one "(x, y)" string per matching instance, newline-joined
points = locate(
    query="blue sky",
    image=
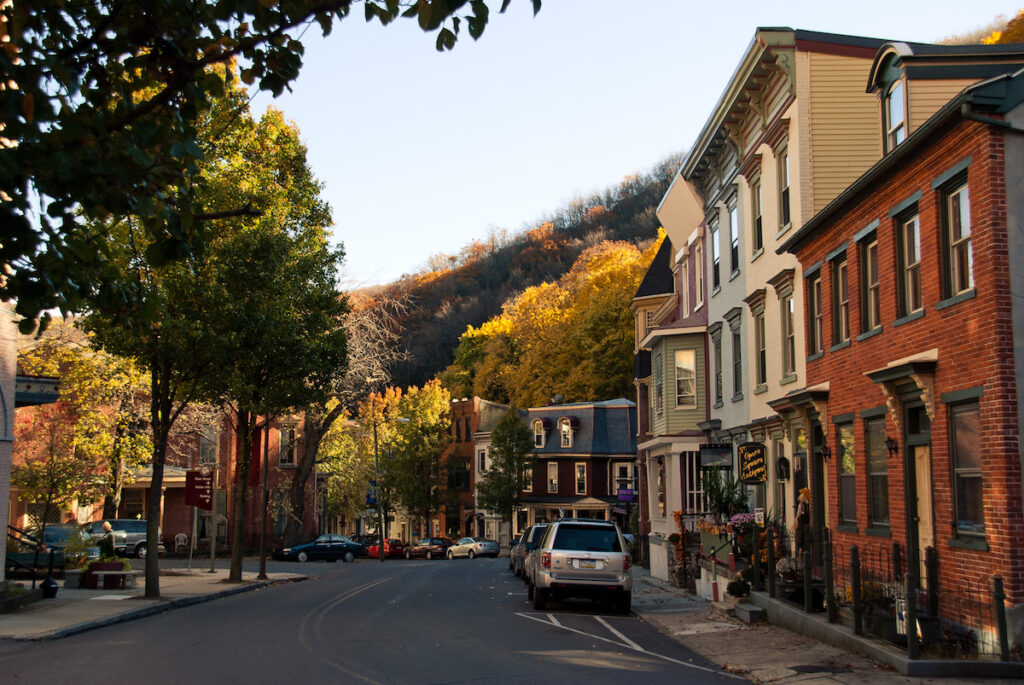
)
(421, 152)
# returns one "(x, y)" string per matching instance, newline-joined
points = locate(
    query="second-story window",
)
(840, 302)
(755, 209)
(718, 370)
(581, 478)
(208, 445)
(716, 280)
(286, 457)
(684, 288)
(959, 276)
(734, 238)
(659, 384)
(788, 336)
(895, 116)
(552, 477)
(528, 479)
(737, 364)
(481, 462)
(698, 281)
(816, 343)
(761, 360)
(870, 307)
(784, 180)
(686, 379)
(910, 264)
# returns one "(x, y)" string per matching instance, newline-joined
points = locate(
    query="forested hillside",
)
(467, 289)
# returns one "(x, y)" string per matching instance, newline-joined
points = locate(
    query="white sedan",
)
(473, 547)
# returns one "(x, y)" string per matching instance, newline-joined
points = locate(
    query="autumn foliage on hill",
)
(454, 292)
(572, 338)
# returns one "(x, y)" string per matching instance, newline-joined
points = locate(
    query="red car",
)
(393, 549)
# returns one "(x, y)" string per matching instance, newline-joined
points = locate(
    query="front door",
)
(925, 516)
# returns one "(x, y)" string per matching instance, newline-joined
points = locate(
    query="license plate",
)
(588, 563)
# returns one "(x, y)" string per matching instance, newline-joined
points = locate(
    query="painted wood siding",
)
(844, 130)
(926, 96)
(673, 420)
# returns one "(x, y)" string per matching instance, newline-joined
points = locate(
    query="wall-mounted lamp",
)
(892, 446)
(826, 452)
(782, 469)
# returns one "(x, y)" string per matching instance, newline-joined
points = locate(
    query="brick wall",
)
(973, 339)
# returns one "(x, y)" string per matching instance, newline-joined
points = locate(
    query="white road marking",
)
(619, 635)
(555, 623)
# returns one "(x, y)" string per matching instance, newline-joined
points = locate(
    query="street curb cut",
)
(160, 608)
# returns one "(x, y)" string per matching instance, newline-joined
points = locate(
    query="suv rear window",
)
(586, 538)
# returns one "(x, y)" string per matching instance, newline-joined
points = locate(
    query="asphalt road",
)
(367, 622)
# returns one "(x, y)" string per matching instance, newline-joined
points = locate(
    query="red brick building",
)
(915, 335)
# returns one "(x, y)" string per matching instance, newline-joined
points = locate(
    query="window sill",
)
(847, 528)
(978, 545)
(840, 346)
(786, 380)
(734, 275)
(718, 404)
(716, 290)
(763, 387)
(784, 230)
(738, 397)
(914, 316)
(757, 253)
(286, 466)
(957, 299)
(815, 356)
(869, 334)
(878, 532)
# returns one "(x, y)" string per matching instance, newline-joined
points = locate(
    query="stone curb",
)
(167, 605)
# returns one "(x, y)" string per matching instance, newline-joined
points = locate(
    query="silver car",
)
(521, 552)
(581, 558)
(473, 547)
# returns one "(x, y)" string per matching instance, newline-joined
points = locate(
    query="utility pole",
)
(266, 499)
(380, 507)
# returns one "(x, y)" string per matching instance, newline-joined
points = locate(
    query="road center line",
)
(619, 635)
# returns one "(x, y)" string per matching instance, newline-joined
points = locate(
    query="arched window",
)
(539, 433)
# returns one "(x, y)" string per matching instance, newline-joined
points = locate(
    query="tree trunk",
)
(313, 429)
(160, 421)
(240, 498)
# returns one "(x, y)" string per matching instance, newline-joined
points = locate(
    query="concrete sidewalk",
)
(75, 611)
(762, 652)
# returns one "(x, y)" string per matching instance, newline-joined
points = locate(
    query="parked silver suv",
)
(581, 558)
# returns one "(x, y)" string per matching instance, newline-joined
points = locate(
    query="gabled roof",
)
(658, 279)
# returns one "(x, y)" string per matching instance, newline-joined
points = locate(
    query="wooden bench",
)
(125, 578)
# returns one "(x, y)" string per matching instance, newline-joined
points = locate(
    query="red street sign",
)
(199, 489)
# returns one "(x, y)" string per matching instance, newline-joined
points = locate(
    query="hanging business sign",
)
(716, 456)
(371, 494)
(753, 463)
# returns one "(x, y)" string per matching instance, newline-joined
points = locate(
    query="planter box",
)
(73, 578)
(109, 582)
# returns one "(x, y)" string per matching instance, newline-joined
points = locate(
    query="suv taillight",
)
(545, 559)
(627, 562)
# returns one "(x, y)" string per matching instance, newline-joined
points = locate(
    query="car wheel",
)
(429, 555)
(540, 598)
(349, 557)
(450, 555)
(141, 551)
(407, 555)
(625, 602)
(302, 556)
(472, 554)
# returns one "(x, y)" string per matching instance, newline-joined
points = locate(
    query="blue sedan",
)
(326, 547)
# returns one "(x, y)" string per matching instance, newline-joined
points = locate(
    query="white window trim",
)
(576, 470)
(693, 358)
(286, 445)
(552, 481)
(539, 434)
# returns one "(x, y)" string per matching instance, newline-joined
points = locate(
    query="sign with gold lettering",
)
(753, 463)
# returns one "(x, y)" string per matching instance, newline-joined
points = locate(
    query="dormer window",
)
(566, 428)
(895, 116)
(540, 432)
